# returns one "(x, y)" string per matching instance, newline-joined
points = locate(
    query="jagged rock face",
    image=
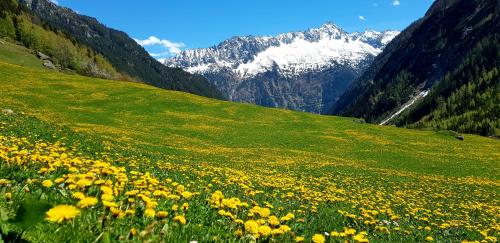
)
(306, 71)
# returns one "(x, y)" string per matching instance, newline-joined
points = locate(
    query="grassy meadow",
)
(135, 163)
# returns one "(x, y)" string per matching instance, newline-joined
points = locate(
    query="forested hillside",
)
(453, 51)
(65, 54)
(82, 44)
(467, 99)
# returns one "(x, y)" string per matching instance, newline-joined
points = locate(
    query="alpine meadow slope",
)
(102, 160)
(454, 53)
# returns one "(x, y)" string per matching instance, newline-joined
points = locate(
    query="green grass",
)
(228, 140)
(19, 55)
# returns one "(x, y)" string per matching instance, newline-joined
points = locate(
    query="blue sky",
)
(179, 24)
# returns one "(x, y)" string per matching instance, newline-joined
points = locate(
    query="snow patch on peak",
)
(304, 56)
(290, 53)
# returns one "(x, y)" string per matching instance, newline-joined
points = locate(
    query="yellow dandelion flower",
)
(87, 202)
(186, 194)
(288, 217)
(273, 220)
(181, 219)
(78, 195)
(285, 228)
(429, 238)
(264, 212)
(109, 204)
(264, 230)
(61, 213)
(252, 227)
(4, 182)
(84, 183)
(149, 213)
(107, 197)
(317, 238)
(47, 183)
(107, 190)
(277, 232)
(361, 237)
(299, 239)
(161, 214)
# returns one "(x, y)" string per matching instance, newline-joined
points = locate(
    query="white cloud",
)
(396, 3)
(171, 48)
(162, 60)
(362, 18)
(55, 1)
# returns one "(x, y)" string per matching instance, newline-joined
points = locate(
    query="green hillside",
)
(356, 181)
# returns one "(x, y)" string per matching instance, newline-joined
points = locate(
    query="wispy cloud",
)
(171, 48)
(55, 1)
(396, 3)
(362, 18)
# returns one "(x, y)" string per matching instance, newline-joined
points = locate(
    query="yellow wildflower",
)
(317, 238)
(264, 230)
(299, 239)
(78, 195)
(61, 213)
(273, 220)
(149, 213)
(87, 202)
(161, 214)
(252, 227)
(84, 183)
(47, 183)
(181, 219)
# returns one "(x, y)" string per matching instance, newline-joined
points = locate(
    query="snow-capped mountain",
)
(305, 71)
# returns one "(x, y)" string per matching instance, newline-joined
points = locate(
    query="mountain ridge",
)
(302, 70)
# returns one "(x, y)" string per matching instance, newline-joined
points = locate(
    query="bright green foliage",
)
(64, 52)
(7, 28)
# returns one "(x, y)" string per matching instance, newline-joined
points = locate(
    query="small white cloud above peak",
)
(396, 3)
(171, 48)
(362, 18)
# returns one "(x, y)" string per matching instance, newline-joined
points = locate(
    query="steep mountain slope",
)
(122, 51)
(305, 71)
(454, 53)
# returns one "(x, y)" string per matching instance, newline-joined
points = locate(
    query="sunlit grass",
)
(233, 172)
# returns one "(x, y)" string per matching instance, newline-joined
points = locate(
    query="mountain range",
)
(305, 71)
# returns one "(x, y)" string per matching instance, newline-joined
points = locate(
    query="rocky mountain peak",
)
(287, 57)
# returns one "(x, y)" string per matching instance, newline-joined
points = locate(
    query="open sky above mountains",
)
(166, 27)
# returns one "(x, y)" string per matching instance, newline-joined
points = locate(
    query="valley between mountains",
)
(305, 71)
(256, 139)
